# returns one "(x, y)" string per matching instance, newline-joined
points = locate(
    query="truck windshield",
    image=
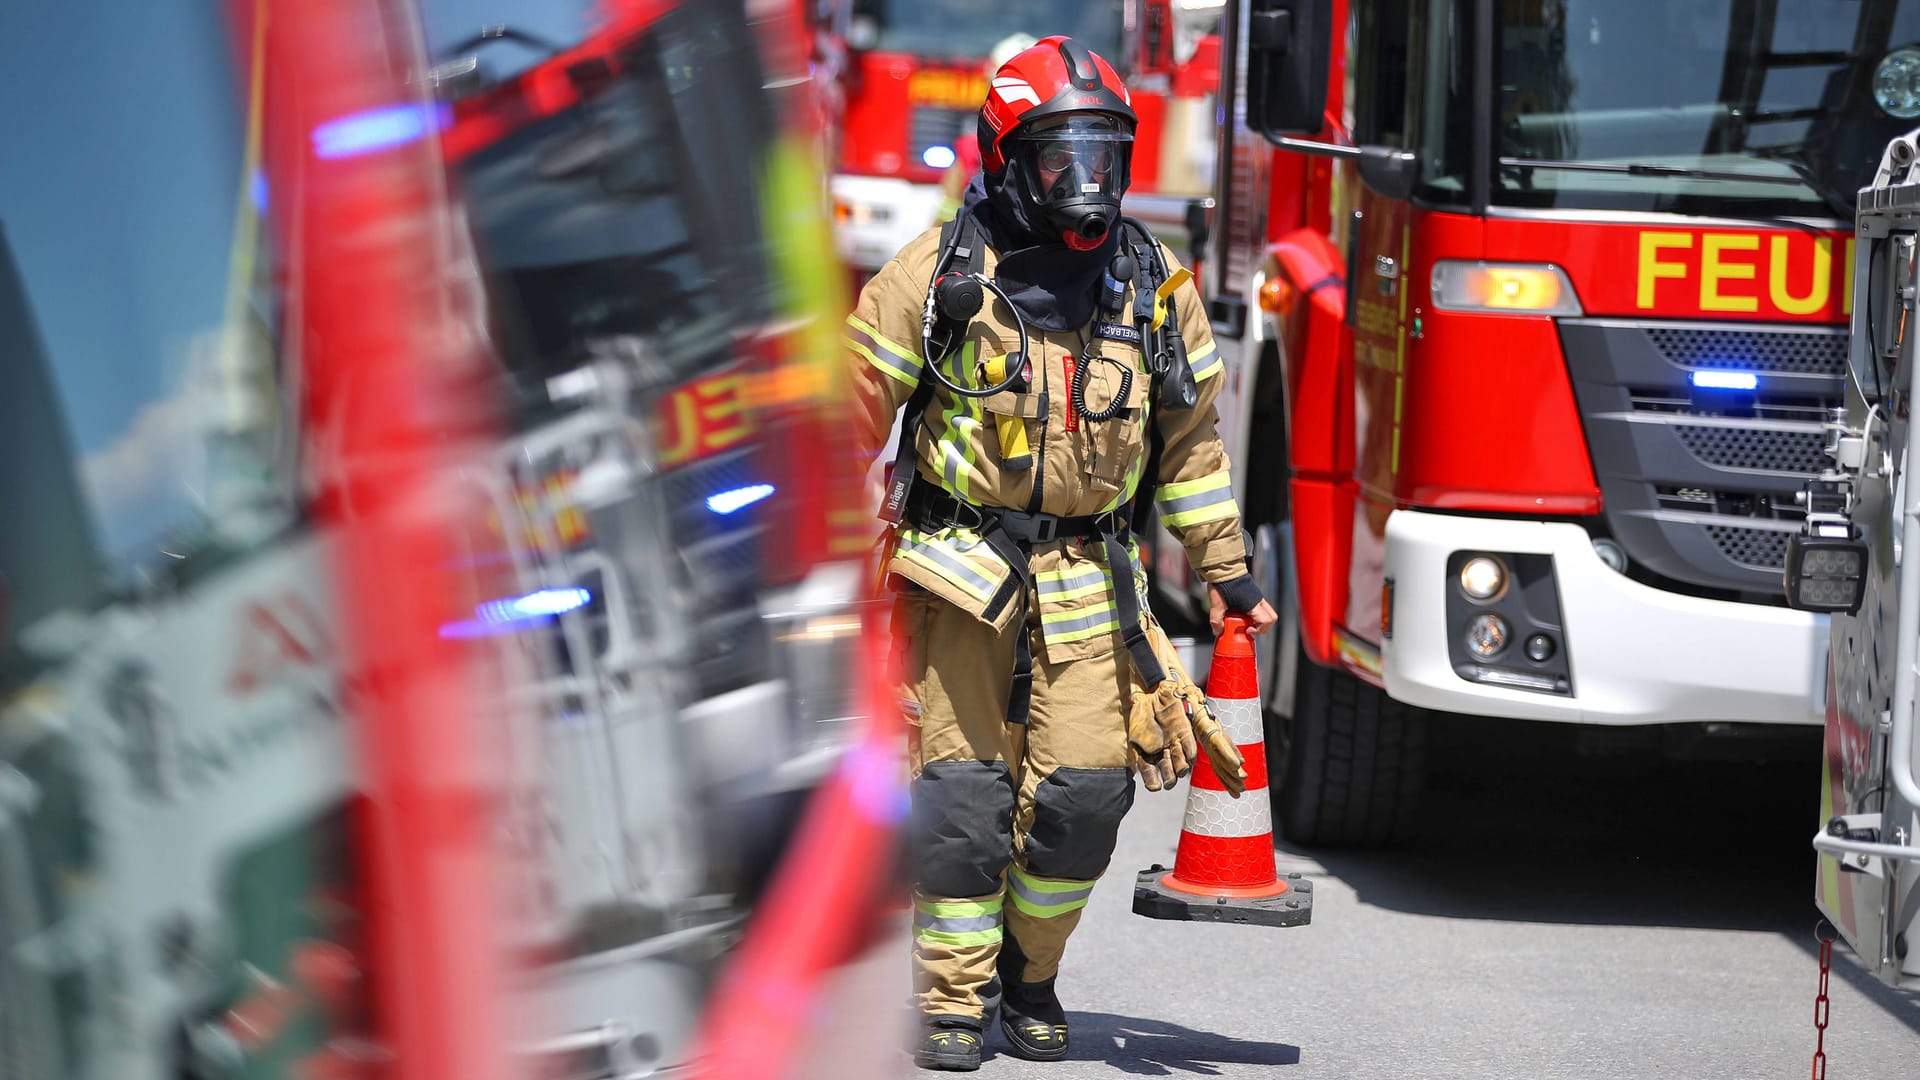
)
(969, 29)
(631, 217)
(1697, 97)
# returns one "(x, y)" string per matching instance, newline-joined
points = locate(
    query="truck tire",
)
(1347, 762)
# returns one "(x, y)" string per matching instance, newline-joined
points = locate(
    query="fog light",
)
(1539, 648)
(1487, 635)
(1826, 573)
(1483, 577)
(1612, 554)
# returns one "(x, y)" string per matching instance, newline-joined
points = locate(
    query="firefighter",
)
(1035, 424)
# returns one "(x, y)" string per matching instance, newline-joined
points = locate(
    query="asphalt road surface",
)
(1560, 916)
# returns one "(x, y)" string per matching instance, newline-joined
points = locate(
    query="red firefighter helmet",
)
(1056, 130)
(1055, 75)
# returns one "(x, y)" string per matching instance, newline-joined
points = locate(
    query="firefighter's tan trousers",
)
(1010, 824)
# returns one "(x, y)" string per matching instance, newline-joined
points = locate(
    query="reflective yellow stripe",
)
(1191, 502)
(950, 565)
(1055, 618)
(1079, 624)
(959, 940)
(961, 923)
(961, 422)
(1095, 589)
(895, 360)
(1057, 586)
(1045, 899)
(1205, 361)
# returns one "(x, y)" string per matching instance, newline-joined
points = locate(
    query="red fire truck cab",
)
(1541, 310)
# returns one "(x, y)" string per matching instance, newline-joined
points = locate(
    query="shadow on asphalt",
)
(1157, 1048)
(1518, 823)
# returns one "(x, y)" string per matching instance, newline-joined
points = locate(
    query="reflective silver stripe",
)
(1239, 718)
(1093, 575)
(953, 459)
(1047, 899)
(952, 562)
(1197, 500)
(952, 925)
(1218, 814)
(1085, 622)
(905, 363)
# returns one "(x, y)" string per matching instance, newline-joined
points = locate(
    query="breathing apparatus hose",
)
(1015, 372)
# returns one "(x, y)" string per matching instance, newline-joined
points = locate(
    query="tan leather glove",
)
(1225, 757)
(1221, 753)
(1159, 735)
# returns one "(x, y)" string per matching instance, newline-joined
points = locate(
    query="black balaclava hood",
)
(1053, 286)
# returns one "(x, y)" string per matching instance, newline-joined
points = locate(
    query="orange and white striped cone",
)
(1223, 870)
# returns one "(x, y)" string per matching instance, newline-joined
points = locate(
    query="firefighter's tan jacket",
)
(1084, 467)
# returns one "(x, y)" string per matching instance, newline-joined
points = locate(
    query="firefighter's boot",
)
(1030, 1014)
(949, 1043)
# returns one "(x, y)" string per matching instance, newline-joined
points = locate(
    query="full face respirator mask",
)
(1073, 172)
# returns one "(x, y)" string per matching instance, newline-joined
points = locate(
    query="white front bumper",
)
(1639, 655)
(876, 216)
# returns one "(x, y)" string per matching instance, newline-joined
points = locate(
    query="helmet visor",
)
(1084, 157)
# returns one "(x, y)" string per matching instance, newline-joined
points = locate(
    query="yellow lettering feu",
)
(724, 419)
(1819, 290)
(1715, 271)
(950, 88)
(681, 436)
(1652, 268)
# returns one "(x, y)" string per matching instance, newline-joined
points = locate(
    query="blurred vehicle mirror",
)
(1289, 48)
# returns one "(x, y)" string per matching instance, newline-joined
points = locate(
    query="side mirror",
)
(1289, 51)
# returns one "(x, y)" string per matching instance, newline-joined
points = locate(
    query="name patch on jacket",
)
(1116, 332)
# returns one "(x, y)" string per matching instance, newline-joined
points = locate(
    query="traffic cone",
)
(1223, 870)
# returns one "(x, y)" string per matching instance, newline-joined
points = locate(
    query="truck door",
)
(1375, 231)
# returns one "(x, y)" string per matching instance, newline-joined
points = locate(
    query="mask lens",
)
(1056, 157)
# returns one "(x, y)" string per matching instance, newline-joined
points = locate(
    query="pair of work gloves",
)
(1168, 721)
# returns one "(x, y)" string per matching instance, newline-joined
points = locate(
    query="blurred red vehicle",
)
(429, 595)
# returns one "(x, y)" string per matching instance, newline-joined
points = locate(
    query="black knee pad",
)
(961, 828)
(1076, 822)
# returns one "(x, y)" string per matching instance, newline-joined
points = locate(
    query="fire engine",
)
(1540, 310)
(1846, 560)
(912, 79)
(347, 726)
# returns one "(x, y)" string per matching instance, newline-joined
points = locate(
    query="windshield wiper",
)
(1803, 175)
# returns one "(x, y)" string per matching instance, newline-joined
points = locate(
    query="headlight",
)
(1482, 578)
(859, 215)
(1896, 83)
(1502, 288)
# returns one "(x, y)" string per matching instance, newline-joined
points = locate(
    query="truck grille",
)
(1815, 352)
(927, 126)
(1699, 485)
(1760, 549)
(1771, 449)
